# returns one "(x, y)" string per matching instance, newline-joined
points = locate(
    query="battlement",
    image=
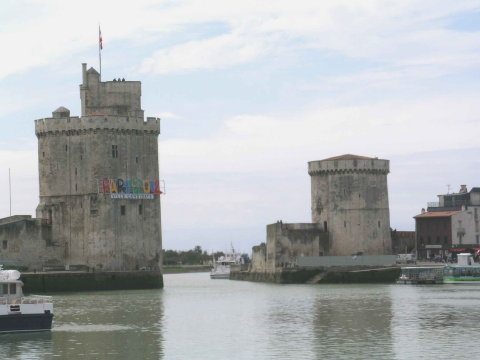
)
(75, 125)
(117, 97)
(349, 164)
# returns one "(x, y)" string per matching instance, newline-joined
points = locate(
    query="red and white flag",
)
(100, 40)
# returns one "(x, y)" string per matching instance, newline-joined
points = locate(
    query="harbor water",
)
(195, 317)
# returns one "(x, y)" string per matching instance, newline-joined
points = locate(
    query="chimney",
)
(84, 74)
(463, 189)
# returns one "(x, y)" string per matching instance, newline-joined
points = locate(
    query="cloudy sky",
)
(249, 92)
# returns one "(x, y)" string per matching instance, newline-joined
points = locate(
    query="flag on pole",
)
(100, 40)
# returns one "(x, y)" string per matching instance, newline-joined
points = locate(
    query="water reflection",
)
(353, 322)
(198, 318)
(435, 321)
(108, 325)
(26, 345)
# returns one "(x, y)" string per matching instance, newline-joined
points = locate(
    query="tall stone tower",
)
(350, 200)
(99, 178)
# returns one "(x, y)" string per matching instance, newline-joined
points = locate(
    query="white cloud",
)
(168, 115)
(390, 31)
(253, 171)
(250, 143)
(218, 52)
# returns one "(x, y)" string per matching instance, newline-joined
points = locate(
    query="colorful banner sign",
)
(129, 189)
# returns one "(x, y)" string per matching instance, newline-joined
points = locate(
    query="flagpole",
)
(100, 50)
(10, 190)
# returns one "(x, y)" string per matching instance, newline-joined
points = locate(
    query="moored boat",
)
(19, 312)
(421, 275)
(465, 271)
(222, 265)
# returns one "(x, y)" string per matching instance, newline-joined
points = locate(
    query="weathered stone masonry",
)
(350, 216)
(110, 140)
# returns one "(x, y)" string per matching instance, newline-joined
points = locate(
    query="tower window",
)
(4, 244)
(75, 171)
(114, 151)
(43, 154)
(75, 187)
(140, 209)
(66, 147)
(122, 210)
(378, 223)
(136, 159)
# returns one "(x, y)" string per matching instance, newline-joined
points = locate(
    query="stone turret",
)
(111, 140)
(350, 199)
(121, 98)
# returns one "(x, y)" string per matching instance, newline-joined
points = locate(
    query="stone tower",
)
(350, 200)
(99, 178)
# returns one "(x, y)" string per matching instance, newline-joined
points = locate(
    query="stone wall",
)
(287, 241)
(403, 242)
(322, 276)
(259, 258)
(28, 243)
(89, 281)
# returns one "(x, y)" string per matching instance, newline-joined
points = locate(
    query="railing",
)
(32, 299)
(433, 204)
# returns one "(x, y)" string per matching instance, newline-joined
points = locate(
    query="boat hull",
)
(25, 322)
(461, 280)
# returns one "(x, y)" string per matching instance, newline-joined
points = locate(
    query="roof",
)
(475, 189)
(92, 71)
(61, 109)
(350, 157)
(437, 214)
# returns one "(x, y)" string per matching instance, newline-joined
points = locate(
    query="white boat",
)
(465, 271)
(22, 313)
(221, 266)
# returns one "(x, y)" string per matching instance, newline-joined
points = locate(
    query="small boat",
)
(221, 266)
(421, 275)
(22, 313)
(465, 271)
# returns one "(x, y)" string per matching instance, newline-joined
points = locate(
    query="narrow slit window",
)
(114, 151)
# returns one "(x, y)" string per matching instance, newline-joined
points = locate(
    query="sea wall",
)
(322, 275)
(48, 282)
